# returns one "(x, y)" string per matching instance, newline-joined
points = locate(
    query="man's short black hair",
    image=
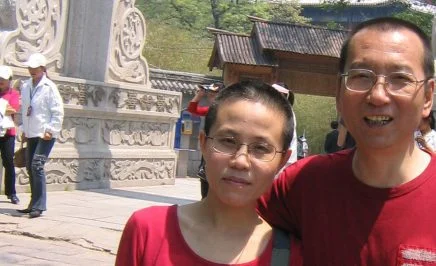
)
(389, 24)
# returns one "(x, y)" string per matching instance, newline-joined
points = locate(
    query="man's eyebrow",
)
(360, 65)
(401, 68)
(392, 68)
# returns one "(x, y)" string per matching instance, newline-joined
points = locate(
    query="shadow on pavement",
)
(143, 196)
(11, 212)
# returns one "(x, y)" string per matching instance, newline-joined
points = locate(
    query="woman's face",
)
(4, 84)
(240, 179)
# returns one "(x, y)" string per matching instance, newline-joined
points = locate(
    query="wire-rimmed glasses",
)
(261, 151)
(397, 83)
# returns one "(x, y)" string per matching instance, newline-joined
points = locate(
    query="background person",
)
(374, 204)
(331, 139)
(42, 116)
(243, 151)
(7, 138)
(210, 93)
(427, 136)
(345, 140)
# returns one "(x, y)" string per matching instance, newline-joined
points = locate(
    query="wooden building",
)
(302, 56)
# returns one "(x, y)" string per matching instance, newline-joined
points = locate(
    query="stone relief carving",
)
(68, 171)
(141, 169)
(40, 28)
(82, 94)
(135, 133)
(8, 20)
(109, 97)
(79, 130)
(126, 63)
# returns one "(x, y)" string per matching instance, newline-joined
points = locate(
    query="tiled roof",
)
(266, 37)
(297, 38)
(240, 49)
(179, 81)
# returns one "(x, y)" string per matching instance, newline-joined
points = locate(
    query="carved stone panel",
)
(126, 63)
(40, 28)
(132, 133)
(83, 172)
(108, 97)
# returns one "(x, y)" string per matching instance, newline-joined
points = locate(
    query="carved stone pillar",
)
(117, 131)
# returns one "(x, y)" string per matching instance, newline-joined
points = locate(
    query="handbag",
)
(20, 156)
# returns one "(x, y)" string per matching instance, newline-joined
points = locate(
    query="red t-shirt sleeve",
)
(195, 109)
(281, 204)
(132, 244)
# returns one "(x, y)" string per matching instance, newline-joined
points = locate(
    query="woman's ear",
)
(202, 138)
(285, 158)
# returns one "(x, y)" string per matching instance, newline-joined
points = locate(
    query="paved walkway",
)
(80, 227)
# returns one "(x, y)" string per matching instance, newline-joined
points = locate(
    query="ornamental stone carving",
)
(75, 171)
(40, 27)
(126, 63)
(79, 130)
(136, 133)
(110, 97)
(117, 131)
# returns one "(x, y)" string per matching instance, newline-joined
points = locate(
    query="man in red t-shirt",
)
(7, 141)
(210, 92)
(375, 204)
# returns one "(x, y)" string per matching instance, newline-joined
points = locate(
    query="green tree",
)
(423, 20)
(231, 15)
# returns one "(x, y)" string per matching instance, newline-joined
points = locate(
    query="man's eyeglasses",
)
(397, 83)
(261, 151)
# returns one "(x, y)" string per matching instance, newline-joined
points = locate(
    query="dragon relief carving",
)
(74, 171)
(68, 171)
(141, 169)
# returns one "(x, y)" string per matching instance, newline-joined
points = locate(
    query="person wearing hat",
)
(210, 92)
(42, 114)
(7, 141)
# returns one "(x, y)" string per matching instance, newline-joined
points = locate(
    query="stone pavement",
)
(80, 227)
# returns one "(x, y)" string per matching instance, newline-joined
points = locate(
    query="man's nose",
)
(378, 94)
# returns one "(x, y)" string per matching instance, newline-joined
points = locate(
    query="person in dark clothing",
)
(331, 139)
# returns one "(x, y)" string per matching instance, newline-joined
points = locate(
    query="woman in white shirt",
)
(42, 115)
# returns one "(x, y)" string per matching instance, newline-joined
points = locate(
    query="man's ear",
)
(428, 97)
(339, 95)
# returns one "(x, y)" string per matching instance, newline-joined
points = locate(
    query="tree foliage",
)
(422, 20)
(177, 38)
(231, 15)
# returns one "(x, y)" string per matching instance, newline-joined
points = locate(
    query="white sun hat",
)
(5, 72)
(36, 60)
